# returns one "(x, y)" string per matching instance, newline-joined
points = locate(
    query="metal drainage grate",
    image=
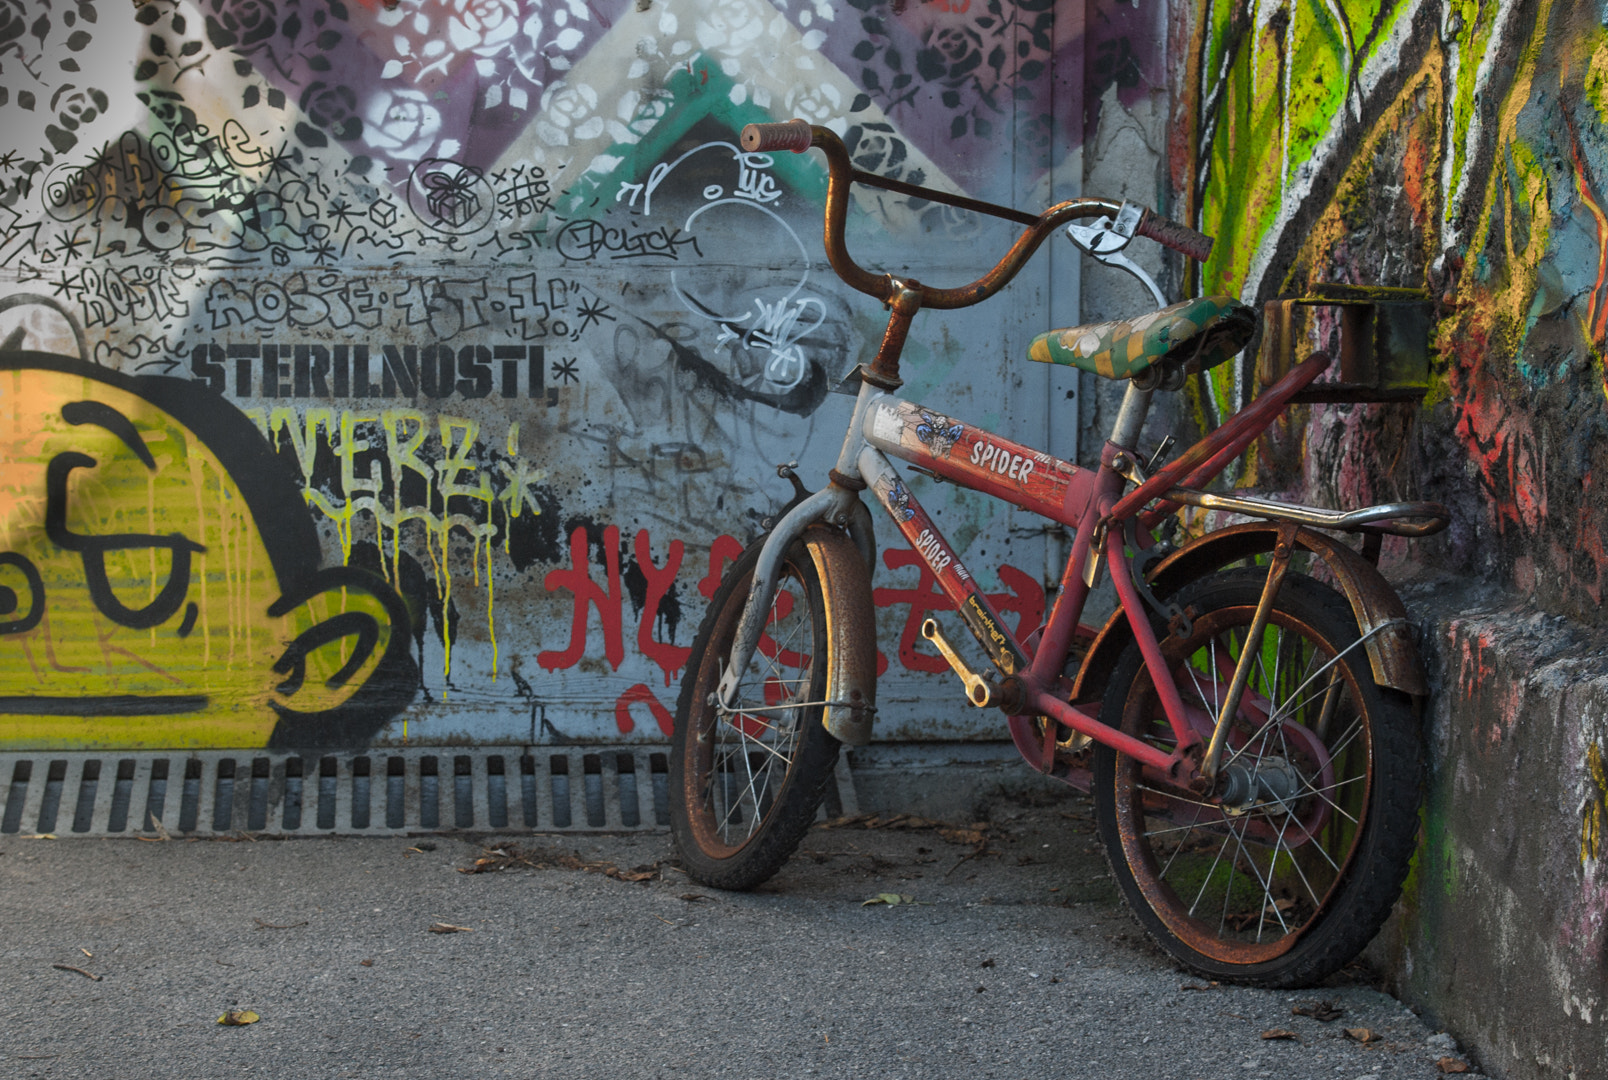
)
(206, 793)
(512, 789)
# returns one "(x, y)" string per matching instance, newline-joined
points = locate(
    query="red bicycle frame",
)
(1091, 501)
(1087, 500)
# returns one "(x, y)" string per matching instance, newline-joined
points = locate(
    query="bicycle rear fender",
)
(851, 628)
(1391, 653)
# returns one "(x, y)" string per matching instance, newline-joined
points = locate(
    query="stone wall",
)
(1457, 148)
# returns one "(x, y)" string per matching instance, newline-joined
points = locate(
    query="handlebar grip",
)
(794, 135)
(1180, 238)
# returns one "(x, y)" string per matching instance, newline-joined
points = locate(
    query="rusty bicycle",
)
(1247, 731)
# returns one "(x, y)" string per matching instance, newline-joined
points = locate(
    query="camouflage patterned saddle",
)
(1198, 334)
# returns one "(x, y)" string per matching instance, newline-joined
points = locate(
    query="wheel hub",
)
(1271, 779)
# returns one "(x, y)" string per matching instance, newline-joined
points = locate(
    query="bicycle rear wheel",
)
(1284, 887)
(745, 784)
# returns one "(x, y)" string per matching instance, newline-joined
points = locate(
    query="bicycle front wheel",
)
(1281, 887)
(746, 782)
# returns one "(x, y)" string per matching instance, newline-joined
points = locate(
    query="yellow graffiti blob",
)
(441, 451)
(1596, 806)
(1517, 198)
(142, 602)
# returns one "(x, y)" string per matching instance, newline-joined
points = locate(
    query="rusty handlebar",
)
(799, 135)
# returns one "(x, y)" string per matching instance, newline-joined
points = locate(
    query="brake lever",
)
(1098, 239)
(1105, 240)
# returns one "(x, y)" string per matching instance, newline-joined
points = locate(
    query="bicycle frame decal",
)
(952, 576)
(979, 459)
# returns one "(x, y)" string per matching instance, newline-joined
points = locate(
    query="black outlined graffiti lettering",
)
(585, 241)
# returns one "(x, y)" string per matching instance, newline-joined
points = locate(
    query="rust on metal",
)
(1142, 711)
(1287, 533)
(841, 175)
(1384, 342)
(1391, 652)
(843, 480)
(905, 300)
(961, 202)
(1203, 461)
(851, 677)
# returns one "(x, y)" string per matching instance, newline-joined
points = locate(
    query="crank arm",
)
(980, 690)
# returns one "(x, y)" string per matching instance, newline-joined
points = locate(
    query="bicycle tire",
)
(744, 791)
(1297, 883)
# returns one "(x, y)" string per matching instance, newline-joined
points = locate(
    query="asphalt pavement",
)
(574, 956)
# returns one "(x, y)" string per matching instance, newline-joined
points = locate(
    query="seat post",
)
(1131, 417)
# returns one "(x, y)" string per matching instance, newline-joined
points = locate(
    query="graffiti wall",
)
(1458, 148)
(377, 371)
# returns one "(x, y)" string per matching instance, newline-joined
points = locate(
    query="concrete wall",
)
(450, 345)
(1460, 148)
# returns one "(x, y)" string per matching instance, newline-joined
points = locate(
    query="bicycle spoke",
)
(1175, 797)
(1207, 880)
(1332, 804)
(1352, 733)
(1267, 890)
(753, 795)
(1333, 660)
(1228, 892)
(1177, 828)
(747, 716)
(1314, 845)
(1176, 851)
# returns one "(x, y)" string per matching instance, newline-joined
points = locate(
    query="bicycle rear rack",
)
(1384, 518)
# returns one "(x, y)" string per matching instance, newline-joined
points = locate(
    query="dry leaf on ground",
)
(1323, 1011)
(1362, 1035)
(449, 928)
(1451, 1064)
(238, 1018)
(889, 898)
(1280, 1033)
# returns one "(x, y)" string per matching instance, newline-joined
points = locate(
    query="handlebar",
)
(798, 136)
(795, 135)
(1169, 234)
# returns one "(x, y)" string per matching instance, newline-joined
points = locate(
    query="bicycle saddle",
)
(1196, 334)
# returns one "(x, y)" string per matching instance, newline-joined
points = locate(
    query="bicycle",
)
(1255, 754)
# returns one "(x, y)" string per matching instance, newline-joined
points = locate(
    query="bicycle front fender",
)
(1381, 616)
(828, 504)
(851, 634)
